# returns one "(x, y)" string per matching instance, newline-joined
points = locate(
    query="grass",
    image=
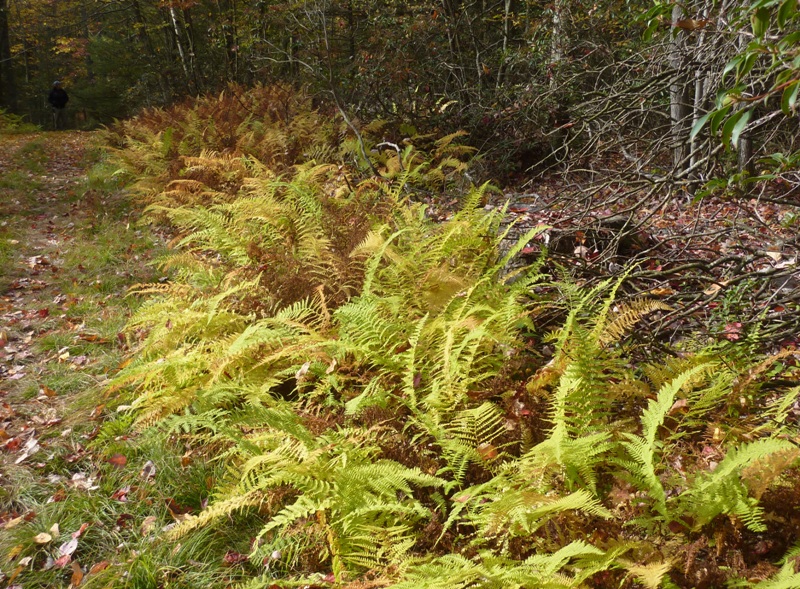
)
(104, 254)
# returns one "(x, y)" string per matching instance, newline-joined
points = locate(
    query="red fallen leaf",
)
(733, 331)
(98, 566)
(81, 530)
(329, 578)
(46, 391)
(12, 444)
(118, 460)
(121, 494)
(43, 312)
(123, 520)
(58, 496)
(232, 557)
(62, 561)
(487, 451)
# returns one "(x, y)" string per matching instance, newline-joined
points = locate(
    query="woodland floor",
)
(67, 258)
(68, 254)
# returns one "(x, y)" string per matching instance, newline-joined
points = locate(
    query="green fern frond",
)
(723, 489)
(644, 450)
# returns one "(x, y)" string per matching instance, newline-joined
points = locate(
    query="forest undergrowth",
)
(355, 367)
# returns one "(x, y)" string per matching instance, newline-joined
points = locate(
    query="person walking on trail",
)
(58, 99)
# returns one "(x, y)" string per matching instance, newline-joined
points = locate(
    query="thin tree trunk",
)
(680, 114)
(501, 67)
(178, 43)
(558, 43)
(744, 147)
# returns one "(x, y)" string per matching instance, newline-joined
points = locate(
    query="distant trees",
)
(8, 86)
(534, 84)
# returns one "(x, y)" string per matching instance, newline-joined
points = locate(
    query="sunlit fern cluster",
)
(346, 357)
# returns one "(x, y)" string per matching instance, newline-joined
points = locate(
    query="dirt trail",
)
(64, 271)
(38, 213)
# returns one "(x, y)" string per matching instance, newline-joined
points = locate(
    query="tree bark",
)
(680, 110)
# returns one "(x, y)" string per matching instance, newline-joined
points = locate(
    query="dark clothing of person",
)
(58, 98)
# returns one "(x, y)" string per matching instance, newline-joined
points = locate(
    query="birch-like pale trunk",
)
(178, 42)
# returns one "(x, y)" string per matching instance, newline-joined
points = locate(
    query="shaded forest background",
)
(592, 85)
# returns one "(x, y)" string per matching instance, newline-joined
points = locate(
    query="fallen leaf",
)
(58, 496)
(62, 561)
(46, 391)
(733, 331)
(98, 566)
(118, 460)
(68, 547)
(232, 557)
(42, 538)
(678, 405)
(77, 534)
(302, 371)
(55, 530)
(331, 367)
(148, 524)
(148, 470)
(77, 575)
(121, 494)
(486, 451)
(661, 292)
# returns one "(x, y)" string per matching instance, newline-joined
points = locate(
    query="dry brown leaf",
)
(118, 460)
(77, 575)
(98, 566)
(46, 391)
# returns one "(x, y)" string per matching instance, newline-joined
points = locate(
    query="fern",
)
(723, 490)
(644, 450)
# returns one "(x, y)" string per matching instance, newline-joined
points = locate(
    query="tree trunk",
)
(179, 44)
(680, 110)
(558, 42)
(744, 147)
(8, 85)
